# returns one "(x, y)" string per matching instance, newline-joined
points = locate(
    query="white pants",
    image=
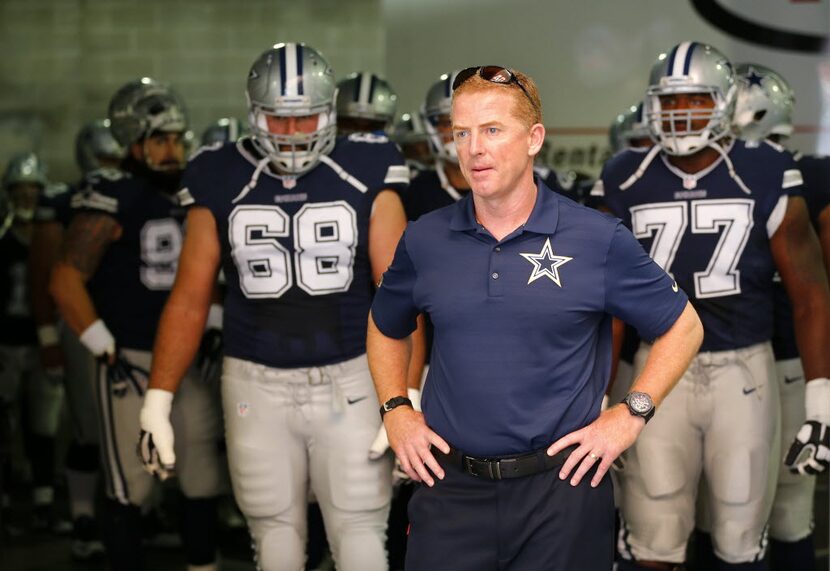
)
(21, 372)
(287, 429)
(197, 426)
(722, 421)
(792, 510)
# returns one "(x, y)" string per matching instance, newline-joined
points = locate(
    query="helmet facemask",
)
(674, 128)
(297, 153)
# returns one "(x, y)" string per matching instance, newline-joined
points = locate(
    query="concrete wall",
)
(62, 59)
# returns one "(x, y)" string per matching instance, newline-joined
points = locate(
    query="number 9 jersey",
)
(134, 278)
(295, 251)
(710, 232)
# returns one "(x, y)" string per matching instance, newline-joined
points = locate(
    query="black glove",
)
(209, 359)
(810, 452)
(123, 375)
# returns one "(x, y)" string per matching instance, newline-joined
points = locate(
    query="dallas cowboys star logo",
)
(546, 264)
(753, 78)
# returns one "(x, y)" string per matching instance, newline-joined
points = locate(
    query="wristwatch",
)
(394, 402)
(639, 404)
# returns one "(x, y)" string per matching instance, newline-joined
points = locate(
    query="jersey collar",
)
(543, 218)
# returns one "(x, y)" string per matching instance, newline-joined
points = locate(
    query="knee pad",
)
(792, 510)
(82, 457)
(278, 548)
(361, 550)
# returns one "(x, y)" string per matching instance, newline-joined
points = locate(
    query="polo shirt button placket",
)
(495, 288)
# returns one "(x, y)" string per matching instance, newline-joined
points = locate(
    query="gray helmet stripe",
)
(363, 94)
(679, 63)
(291, 79)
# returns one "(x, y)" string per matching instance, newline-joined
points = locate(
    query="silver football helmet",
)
(764, 104)
(364, 95)
(292, 80)
(224, 130)
(24, 169)
(94, 142)
(438, 106)
(690, 67)
(145, 106)
(628, 126)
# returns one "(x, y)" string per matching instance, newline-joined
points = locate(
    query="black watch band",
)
(640, 404)
(394, 402)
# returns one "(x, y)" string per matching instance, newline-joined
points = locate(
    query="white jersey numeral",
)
(666, 222)
(325, 238)
(161, 244)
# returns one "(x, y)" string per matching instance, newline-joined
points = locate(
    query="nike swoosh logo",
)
(789, 380)
(674, 287)
(358, 399)
(750, 391)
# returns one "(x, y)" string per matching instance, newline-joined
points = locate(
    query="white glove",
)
(381, 443)
(809, 453)
(155, 444)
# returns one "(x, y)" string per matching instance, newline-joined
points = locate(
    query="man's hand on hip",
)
(601, 441)
(411, 438)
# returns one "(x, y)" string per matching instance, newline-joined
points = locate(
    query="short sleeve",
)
(637, 290)
(99, 192)
(191, 192)
(393, 308)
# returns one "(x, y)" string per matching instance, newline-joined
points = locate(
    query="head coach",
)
(521, 285)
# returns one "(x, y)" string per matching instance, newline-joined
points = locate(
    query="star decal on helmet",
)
(546, 264)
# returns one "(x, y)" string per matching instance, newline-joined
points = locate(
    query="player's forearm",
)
(811, 314)
(670, 356)
(388, 362)
(68, 288)
(180, 331)
(43, 253)
(418, 355)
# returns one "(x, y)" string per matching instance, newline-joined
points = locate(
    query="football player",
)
(224, 130)
(763, 112)
(115, 273)
(630, 130)
(720, 217)
(302, 224)
(95, 148)
(366, 103)
(21, 372)
(410, 135)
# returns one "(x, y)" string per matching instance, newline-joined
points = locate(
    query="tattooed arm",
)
(87, 239)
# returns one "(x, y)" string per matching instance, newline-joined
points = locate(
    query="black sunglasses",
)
(492, 73)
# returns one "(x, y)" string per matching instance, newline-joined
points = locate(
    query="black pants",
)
(535, 523)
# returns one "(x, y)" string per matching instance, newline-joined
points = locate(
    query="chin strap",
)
(729, 166)
(653, 152)
(254, 178)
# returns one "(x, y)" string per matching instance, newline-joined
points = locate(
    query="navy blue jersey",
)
(295, 250)
(710, 234)
(16, 324)
(816, 173)
(136, 273)
(54, 204)
(428, 191)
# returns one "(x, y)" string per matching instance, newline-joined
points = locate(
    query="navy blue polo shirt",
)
(522, 347)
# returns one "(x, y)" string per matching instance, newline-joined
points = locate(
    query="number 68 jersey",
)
(709, 232)
(295, 251)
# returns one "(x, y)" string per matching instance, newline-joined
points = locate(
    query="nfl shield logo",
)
(242, 409)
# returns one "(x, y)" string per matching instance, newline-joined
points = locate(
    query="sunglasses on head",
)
(491, 73)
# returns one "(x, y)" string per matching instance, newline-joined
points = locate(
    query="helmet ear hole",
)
(760, 114)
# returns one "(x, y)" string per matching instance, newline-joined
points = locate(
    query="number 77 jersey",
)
(710, 233)
(295, 251)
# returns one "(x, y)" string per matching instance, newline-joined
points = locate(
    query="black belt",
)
(505, 467)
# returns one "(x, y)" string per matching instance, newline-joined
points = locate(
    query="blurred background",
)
(62, 59)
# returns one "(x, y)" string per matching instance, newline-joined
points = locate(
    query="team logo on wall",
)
(795, 25)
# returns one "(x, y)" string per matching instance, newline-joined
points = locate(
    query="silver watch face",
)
(640, 402)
